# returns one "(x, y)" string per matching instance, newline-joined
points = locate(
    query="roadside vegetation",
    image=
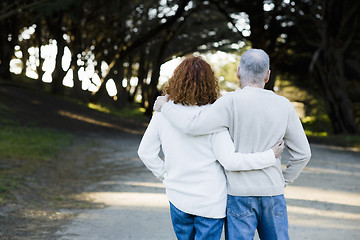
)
(130, 111)
(24, 149)
(311, 110)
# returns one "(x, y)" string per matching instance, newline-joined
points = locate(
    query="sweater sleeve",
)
(208, 120)
(298, 146)
(224, 150)
(149, 149)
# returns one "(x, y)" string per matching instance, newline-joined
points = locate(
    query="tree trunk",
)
(328, 64)
(260, 38)
(129, 71)
(102, 89)
(77, 90)
(7, 45)
(39, 70)
(129, 74)
(143, 73)
(271, 83)
(330, 71)
(152, 91)
(54, 24)
(121, 91)
(5, 57)
(25, 56)
(256, 21)
(58, 74)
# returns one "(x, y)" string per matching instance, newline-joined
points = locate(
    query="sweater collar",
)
(257, 89)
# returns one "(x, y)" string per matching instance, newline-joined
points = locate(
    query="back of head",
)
(253, 67)
(193, 83)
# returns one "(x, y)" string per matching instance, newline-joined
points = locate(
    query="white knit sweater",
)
(195, 181)
(256, 119)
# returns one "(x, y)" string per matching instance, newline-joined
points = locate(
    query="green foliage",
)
(130, 111)
(224, 66)
(31, 143)
(7, 184)
(349, 141)
(316, 122)
(309, 104)
(316, 125)
(23, 150)
(4, 110)
(136, 36)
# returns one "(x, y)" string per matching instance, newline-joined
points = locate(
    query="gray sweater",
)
(256, 119)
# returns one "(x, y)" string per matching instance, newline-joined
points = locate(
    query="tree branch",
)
(228, 17)
(4, 13)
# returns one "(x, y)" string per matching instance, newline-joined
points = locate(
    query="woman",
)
(192, 171)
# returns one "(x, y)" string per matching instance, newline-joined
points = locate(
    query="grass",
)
(351, 141)
(316, 122)
(23, 150)
(320, 124)
(31, 142)
(129, 111)
(318, 130)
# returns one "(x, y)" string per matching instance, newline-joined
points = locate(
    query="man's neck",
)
(253, 85)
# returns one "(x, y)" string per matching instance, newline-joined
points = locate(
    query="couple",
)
(222, 155)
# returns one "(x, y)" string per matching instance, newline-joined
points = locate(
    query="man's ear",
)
(238, 73)
(267, 78)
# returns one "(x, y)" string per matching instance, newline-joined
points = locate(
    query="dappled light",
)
(323, 213)
(97, 122)
(149, 198)
(129, 199)
(79, 79)
(318, 208)
(330, 171)
(325, 196)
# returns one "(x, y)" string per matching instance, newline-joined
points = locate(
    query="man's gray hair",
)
(253, 67)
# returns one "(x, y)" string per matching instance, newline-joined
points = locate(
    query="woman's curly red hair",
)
(193, 83)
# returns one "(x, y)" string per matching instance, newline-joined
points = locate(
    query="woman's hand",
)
(278, 148)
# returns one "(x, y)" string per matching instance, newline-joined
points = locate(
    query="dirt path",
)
(323, 204)
(98, 189)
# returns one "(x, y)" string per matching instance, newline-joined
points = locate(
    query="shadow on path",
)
(323, 204)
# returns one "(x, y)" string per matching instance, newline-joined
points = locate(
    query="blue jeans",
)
(266, 214)
(188, 226)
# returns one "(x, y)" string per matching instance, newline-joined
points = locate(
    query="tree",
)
(268, 26)
(8, 36)
(134, 38)
(328, 28)
(333, 25)
(12, 20)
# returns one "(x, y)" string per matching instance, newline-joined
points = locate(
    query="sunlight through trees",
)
(115, 52)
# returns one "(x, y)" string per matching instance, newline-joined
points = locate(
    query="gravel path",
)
(323, 204)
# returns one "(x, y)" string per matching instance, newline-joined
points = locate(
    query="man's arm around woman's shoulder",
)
(208, 120)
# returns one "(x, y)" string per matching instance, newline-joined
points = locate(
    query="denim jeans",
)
(188, 226)
(266, 214)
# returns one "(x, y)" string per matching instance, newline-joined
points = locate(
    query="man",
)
(256, 119)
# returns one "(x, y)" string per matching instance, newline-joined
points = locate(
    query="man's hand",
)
(160, 102)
